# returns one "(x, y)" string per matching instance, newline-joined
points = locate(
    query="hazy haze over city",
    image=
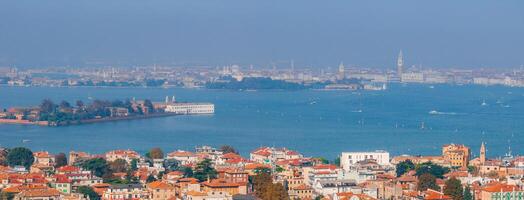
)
(316, 33)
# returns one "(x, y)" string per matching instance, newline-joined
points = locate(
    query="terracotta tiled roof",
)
(457, 174)
(230, 156)
(181, 154)
(20, 188)
(302, 187)
(60, 178)
(160, 185)
(176, 173)
(190, 180)
(68, 168)
(252, 166)
(195, 193)
(41, 154)
(435, 195)
(219, 183)
(407, 178)
(498, 187)
(48, 192)
(349, 195)
(323, 166)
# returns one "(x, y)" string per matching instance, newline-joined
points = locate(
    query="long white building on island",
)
(190, 108)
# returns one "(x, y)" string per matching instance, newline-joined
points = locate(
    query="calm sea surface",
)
(317, 123)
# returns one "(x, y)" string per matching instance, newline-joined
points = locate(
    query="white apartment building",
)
(348, 159)
(191, 108)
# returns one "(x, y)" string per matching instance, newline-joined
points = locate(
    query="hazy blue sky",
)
(321, 33)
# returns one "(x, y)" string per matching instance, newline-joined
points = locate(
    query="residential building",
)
(348, 159)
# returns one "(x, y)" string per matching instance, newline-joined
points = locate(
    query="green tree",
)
(118, 166)
(403, 167)
(150, 179)
(3, 156)
(155, 153)
(276, 191)
(265, 188)
(337, 161)
(427, 181)
(467, 194)
(134, 164)
(171, 164)
(64, 105)
(89, 192)
(7, 195)
(60, 160)
(149, 105)
(453, 188)
(80, 104)
(228, 149)
(431, 168)
(323, 160)
(279, 169)
(47, 106)
(188, 172)
(20, 156)
(204, 170)
(98, 166)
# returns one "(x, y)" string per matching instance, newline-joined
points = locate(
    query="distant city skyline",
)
(318, 34)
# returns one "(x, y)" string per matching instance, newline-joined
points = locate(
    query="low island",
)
(49, 113)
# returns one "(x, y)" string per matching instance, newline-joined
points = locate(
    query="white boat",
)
(26, 141)
(433, 112)
(484, 103)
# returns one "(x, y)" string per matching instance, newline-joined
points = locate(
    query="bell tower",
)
(482, 153)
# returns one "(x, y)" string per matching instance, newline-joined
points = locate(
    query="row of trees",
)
(49, 111)
(427, 174)
(21, 156)
(422, 168)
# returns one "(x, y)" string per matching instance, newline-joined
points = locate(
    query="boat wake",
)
(434, 112)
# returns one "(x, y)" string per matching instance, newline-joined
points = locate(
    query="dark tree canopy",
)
(467, 194)
(134, 164)
(204, 170)
(149, 105)
(171, 164)
(88, 191)
(118, 166)
(64, 105)
(80, 104)
(228, 149)
(60, 160)
(431, 168)
(155, 153)
(150, 179)
(47, 106)
(453, 188)
(403, 167)
(98, 166)
(266, 189)
(20, 156)
(427, 181)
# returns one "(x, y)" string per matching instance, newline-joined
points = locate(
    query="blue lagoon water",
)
(317, 123)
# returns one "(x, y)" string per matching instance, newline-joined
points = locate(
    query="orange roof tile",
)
(498, 187)
(160, 185)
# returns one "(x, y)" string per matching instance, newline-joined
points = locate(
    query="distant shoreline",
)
(85, 121)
